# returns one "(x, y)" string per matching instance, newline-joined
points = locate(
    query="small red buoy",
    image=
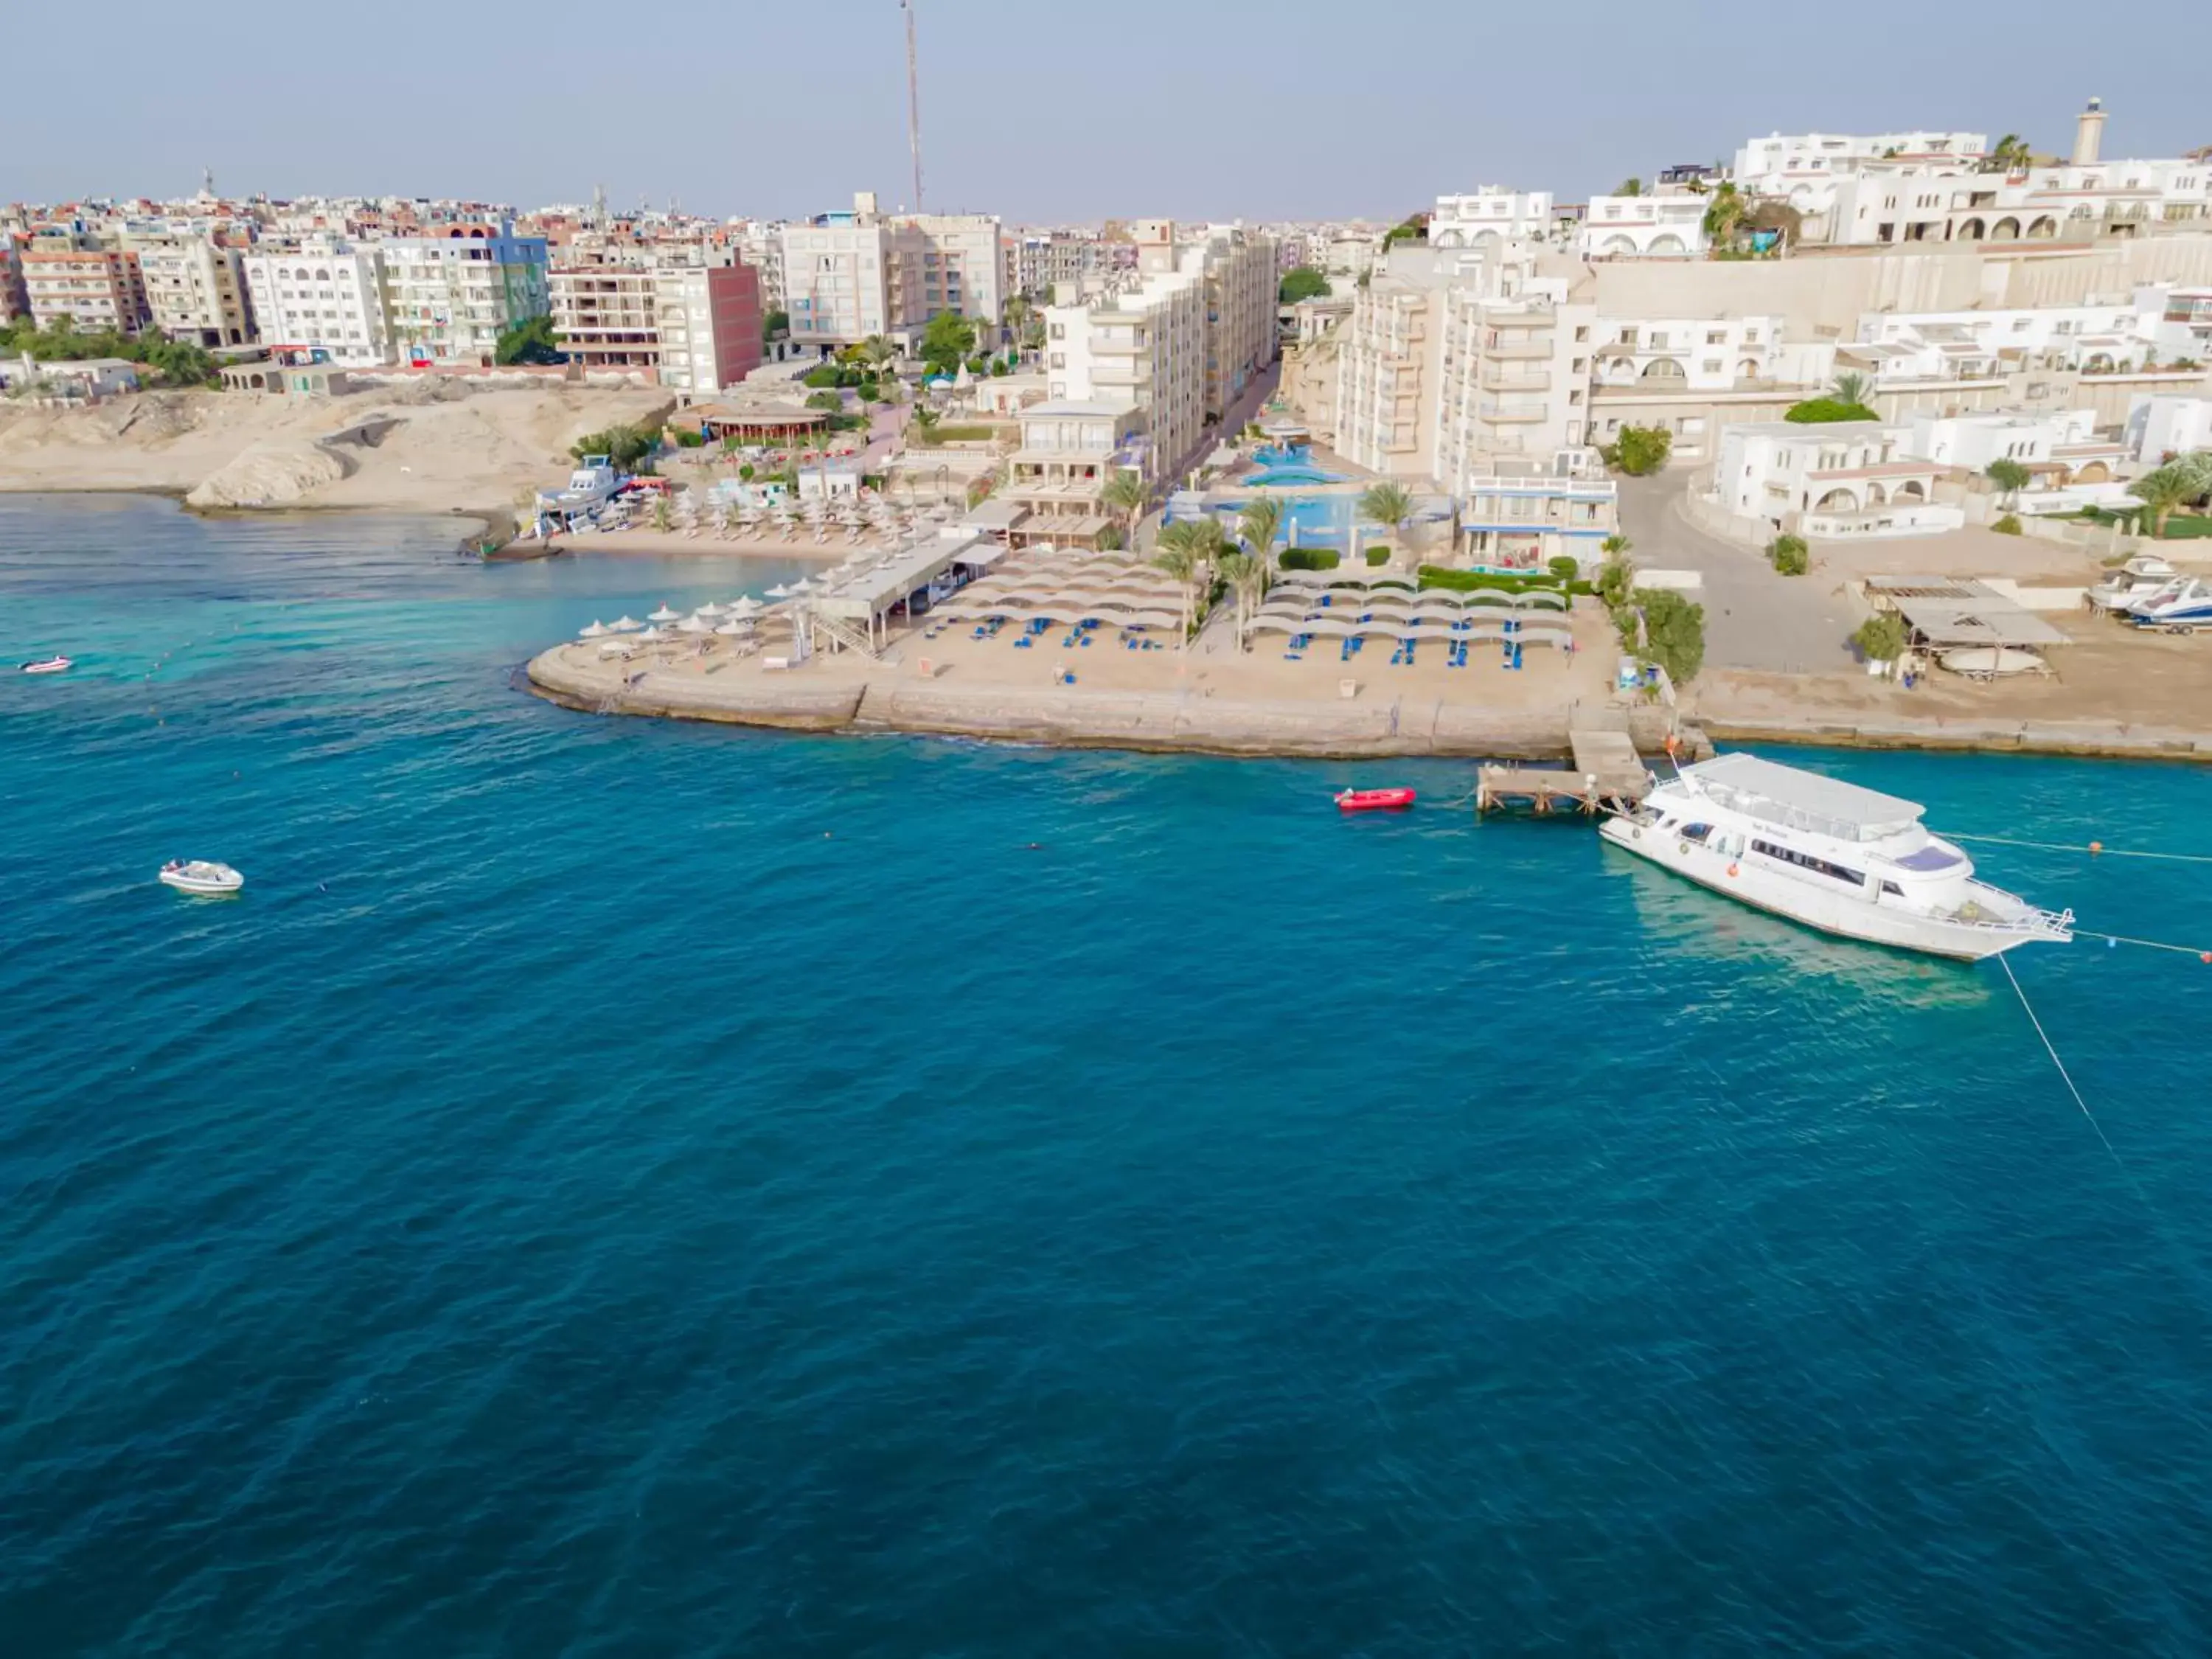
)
(1731, 869)
(2204, 956)
(2096, 847)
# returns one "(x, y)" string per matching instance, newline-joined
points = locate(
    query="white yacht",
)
(1829, 854)
(2181, 606)
(2138, 578)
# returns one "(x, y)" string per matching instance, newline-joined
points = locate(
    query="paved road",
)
(1754, 618)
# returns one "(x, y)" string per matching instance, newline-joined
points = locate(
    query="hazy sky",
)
(1043, 111)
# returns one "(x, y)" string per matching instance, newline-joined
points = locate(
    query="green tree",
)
(1850, 387)
(947, 341)
(776, 323)
(1724, 215)
(1124, 494)
(1302, 283)
(2161, 491)
(1259, 526)
(1186, 551)
(1387, 504)
(530, 341)
(2010, 155)
(1881, 638)
(1788, 555)
(832, 401)
(924, 423)
(1630, 187)
(1616, 577)
(1674, 632)
(1639, 451)
(2008, 476)
(1414, 228)
(624, 447)
(1247, 581)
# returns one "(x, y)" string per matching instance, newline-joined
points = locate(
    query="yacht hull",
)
(1845, 914)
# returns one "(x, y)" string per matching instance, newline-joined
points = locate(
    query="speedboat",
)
(2181, 606)
(1373, 800)
(2133, 581)
(47, 665)
(203, 876)
(1830, 854)
(1990, 662)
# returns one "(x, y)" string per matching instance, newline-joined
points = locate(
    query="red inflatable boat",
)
(1373, 800)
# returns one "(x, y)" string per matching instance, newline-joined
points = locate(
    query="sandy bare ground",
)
(424, 447)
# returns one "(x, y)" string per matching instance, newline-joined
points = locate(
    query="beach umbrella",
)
(592, 630)
(663, 615)
(732, 629)
(695, 625)
(609, 648)
(711, 609)
(804, 584)
(779, 592)
(748, 606)
(625, 624)
(651, 637)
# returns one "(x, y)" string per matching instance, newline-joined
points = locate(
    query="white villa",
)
(1973, 442)
(2160, 426)
(1699, 354)
(1848, 478)
(1617, 226)
(1490, 215)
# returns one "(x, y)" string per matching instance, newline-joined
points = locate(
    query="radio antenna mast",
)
(913, 101)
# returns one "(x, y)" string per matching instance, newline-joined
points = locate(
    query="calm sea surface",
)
(615, 1188)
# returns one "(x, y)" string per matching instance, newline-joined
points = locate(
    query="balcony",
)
(1520, 351)
(1498, 378)
(1514, 413)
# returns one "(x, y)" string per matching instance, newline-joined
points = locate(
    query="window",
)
(1715, 336)
(1711, 366)
(1807, 861)
(1893, 890)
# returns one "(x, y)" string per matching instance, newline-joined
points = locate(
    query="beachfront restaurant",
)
(779, 426)
(858, 609)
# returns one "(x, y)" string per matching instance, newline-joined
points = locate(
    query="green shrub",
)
(828, 400)
(1639, 451)
(687, 437)
(1308, 558)
(1377, 555)
(1881, 638)
(1788, 555)
(624, 447)
(823, 377)
(1470, 581)
(1673, 632)
(747, 470)
(1819, 411)
(2008, 526)
(1566, 567)
(1110, 539)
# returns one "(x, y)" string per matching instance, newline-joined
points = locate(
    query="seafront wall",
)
(2098, 739)
(1164, 722)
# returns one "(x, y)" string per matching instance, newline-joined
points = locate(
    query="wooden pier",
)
(1607, 773)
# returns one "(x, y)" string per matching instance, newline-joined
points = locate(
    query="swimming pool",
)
(1290, 465)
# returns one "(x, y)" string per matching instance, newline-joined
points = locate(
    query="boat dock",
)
(1607, 772)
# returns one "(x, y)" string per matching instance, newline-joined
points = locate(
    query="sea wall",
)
(1156, 720)
(2111, 740)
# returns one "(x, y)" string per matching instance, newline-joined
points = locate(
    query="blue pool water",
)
(616, 1188)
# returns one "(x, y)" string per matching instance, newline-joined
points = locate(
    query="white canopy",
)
(624, 625)
(748, 606)
(592, 630)
(652, 636)
(695, 625)
(662, 615)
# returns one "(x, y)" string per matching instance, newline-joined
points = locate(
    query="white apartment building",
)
(1712, 353)
(2067, 203)
(1956, 345)
(1237, 269)
(450, 297)
(1491, 215)
(963, 267)
(1802, 168)
(2161, 425)
(1972, 441)
(849, 274)
(1847, 478)
(323, 296)
(760, 244)
(195, 287)
(1143, 350)
(1618, 226)
(2183, 331)
(1070, 450)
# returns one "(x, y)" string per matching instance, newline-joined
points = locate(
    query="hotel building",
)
(450, 296)
(324, 297)
(196, 287)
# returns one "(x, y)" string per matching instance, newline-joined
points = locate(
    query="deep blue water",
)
(616, 1188)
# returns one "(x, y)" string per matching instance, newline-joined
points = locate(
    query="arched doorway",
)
(1873, 495)
(1838, 500)
(1616, 367)
(1618, 244)
(2099, 363)
(1668, 245)
(2043, 229)
(1663, 369)
(1746, 370)
(1910, 490)
(1974, 230)
(2094, 472)
(1448, 239)
(2006, 230)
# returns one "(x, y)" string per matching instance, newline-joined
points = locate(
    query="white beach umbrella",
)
(779, 592)
(662, 615)
(625, 624)
(748, 606)
(711, 609)
(592, 630)
(695, 625)
(610, 647)
(804, 584)
(651, 637)
(731, 630)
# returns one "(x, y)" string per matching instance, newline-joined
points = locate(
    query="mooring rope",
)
(2095, 849)
(2148, 944)
(2067, 1076)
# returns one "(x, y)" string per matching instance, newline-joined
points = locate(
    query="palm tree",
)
(1258, 526)
(1630, 187)
(1387, 504)
(2161, 491)
(1850, 387)
(1246, 575)
(2010, 155)
(1124, 494)
(925, 422)
(876, 352)
(1178, 556)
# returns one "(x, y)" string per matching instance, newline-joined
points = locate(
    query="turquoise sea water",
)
(616, 1188)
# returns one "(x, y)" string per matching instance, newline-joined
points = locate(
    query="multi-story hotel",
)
(323, 297)
(851, 274)
(1144, 349)
(450, 296)
(694, 327)
(68, 275)
(196, 287)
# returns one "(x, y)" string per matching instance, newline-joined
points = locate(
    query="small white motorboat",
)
(47, 665)
(201, 876)
(1990, 662)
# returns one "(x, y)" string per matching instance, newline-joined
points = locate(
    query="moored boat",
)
(47, 665)
(1830, 854)
(1990, 662)
(203, 876)
(1373, 800)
